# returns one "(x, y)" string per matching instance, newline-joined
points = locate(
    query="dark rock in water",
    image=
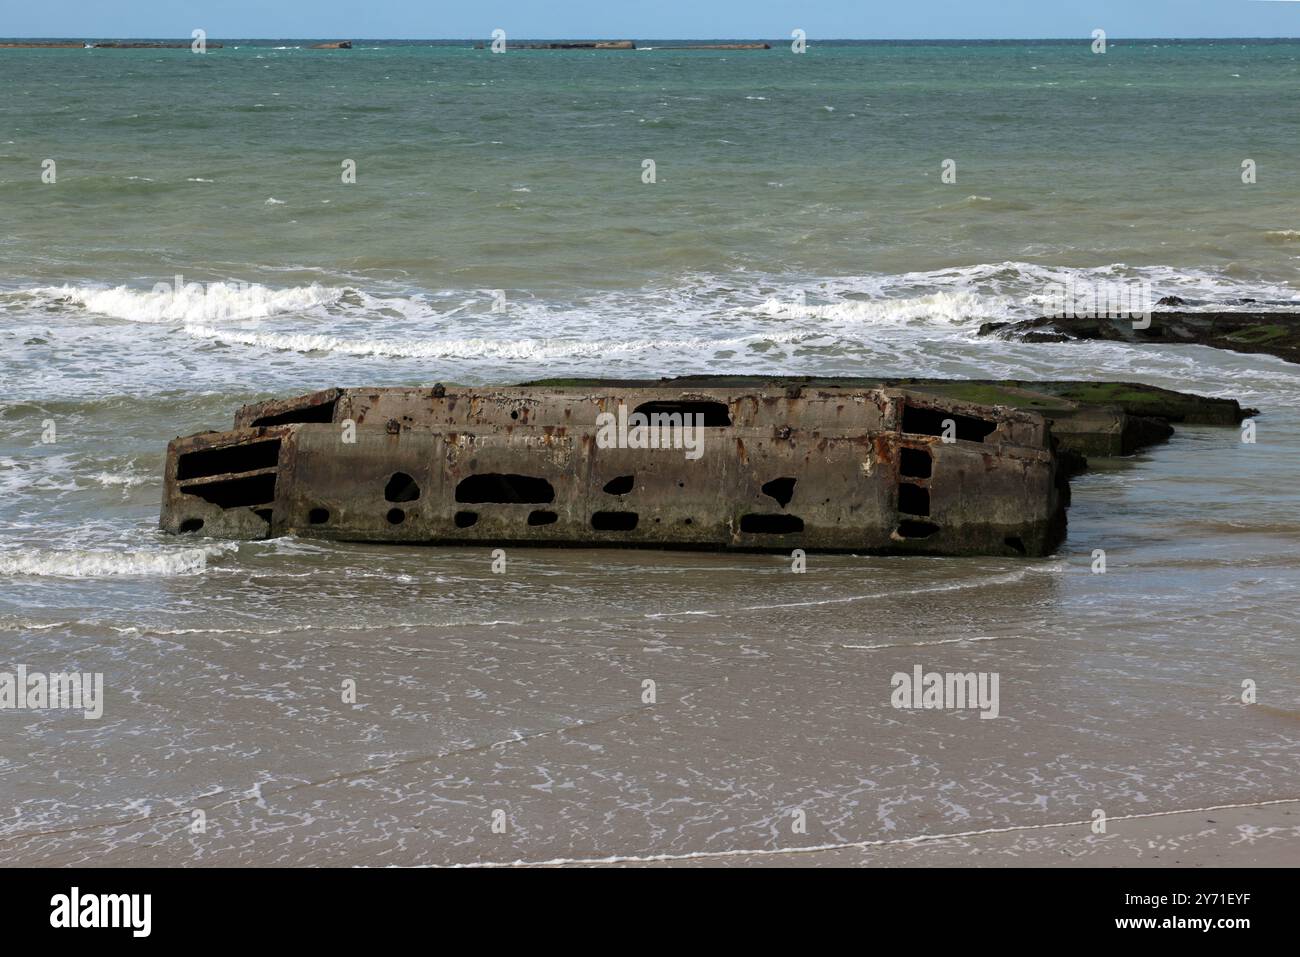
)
(1272, 333)
(720, 46)
(114, 45)
(338, 45)
(568, 45)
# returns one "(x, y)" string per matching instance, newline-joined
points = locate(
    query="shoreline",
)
(1266, 834)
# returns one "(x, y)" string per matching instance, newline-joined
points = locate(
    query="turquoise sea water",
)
(798, 223)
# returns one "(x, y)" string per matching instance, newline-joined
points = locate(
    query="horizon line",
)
(522, 38)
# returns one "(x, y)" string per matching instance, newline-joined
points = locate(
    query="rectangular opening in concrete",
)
(614, 521)
(542, 517)
(919, 420)
(771, 524)
(913, 499)
(247, 457)
(505, 489)
(236, 492)
(315, 413)
(712, 414)
(915, 463)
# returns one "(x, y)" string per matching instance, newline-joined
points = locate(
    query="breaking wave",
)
(194, 302)
(82, 563)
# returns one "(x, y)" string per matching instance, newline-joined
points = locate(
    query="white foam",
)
(521, 349)
(194, 302)
(125, 479)
(83, 563)
(951, 307)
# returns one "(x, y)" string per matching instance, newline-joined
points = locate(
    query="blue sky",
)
(634, 19)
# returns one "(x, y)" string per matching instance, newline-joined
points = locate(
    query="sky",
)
(649, 19)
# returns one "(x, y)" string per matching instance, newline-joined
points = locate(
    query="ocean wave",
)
(125, 479)
(194, 301)
(951, 307)
(531, 349)
(84, 563)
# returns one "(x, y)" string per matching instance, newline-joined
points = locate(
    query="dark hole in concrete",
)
(514, 414)
(318, 516)
(401, 488)
(908, 529)
(781, 489)
(395, 516)
(614, 521)
(913, 499)
(1015, 543)
(621, 485)
(922, 421)
(232, 458)
(542, 517)
(465, 519)
(236, 493)
(715, 414)
(915, 463)
(505, 489)
(321, 412)
(264, 514)
(192, 525)
(771, 524)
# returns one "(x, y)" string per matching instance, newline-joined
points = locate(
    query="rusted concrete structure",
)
(815, 467)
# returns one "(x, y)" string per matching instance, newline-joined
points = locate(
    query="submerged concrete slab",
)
(832, 467)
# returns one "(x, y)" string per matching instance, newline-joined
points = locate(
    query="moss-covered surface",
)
(1087, 418)
(1050, 396)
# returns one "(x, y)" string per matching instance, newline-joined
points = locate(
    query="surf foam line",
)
(529, 349)
(81, 563)
(926, 644)
(1004, 579)
(195, 301)
(854, 845)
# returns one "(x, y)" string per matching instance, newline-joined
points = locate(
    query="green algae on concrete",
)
(1087, 418)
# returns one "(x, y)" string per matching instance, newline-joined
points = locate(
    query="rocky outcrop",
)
(569, 45)
(117, 45)
(1271, 333)
(337, 45)
(720, 46)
